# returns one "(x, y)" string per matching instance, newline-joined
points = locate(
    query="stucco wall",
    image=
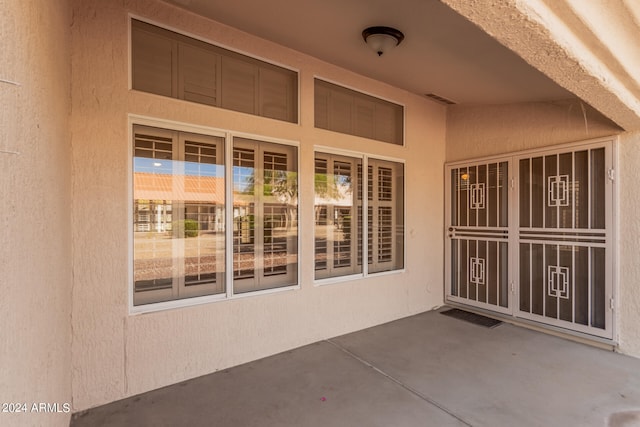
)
(629, 244)
(484, 131)
(35, 254)
(116, 354)
(477, 131)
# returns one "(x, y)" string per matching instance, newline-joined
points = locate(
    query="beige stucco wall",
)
(485, 130)
(116, 354)
(35, 254)
(490, 130)
(629, 244)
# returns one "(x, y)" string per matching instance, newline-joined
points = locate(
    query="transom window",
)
(167, 63)
(347, 111)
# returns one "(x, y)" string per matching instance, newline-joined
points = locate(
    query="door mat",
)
(471, 317)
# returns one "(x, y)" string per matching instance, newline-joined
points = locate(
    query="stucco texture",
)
(116, 354)
(35, 254)
(629, 245)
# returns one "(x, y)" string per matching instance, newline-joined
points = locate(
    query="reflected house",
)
(155, 195)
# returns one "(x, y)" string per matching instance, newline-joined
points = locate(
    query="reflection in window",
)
(340, 215)
(178, 215)
(265, 215)
(385, 216)
(338, 221)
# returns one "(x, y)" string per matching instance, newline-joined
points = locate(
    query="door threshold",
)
(579, 337)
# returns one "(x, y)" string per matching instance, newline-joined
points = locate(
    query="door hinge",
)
(612, 304)
(513, 287)
(513, 183)
(611, 174)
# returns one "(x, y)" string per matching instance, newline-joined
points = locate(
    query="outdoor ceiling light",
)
(382, 39)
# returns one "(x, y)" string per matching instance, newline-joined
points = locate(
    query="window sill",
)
(352, 277)
(189, 302)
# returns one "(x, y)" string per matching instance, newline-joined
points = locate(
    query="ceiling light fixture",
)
(382, 39)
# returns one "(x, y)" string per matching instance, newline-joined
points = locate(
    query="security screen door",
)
(531, 236)
(478, 235)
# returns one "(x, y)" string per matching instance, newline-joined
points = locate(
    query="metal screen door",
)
(531, 236)
(478, 235)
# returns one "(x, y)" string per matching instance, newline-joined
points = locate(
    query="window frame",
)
(365, 227)
(227, 135)
(369, 94)
(179, 289)
(182, 32)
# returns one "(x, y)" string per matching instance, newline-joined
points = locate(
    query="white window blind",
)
(347, 111)
(171, 64)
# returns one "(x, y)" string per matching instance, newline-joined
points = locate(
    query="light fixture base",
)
(381, 39)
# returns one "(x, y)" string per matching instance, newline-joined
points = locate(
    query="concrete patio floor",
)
(424, 370)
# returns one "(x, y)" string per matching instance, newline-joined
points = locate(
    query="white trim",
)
(615, 236)
(573, 145)
(262, 138)
(386, 272)
(365, 216)
(337, 151)
(130, 251)
(228, 214)
(137, 119)
(354, 277)
(190, 302)
(337, 279)
(129, 53)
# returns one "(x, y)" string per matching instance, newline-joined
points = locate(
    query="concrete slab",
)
(505, 376)
(425, 370)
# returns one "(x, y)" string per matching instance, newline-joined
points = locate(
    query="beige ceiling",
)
(442, 53)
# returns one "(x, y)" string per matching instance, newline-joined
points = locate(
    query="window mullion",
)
(228, 249)
(365, 216)
(178, 215)
(258, 248)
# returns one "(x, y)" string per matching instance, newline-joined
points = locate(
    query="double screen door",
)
(530, 235)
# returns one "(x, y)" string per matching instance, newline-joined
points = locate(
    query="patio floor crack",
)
(399, 382)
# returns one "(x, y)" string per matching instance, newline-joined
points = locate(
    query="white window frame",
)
(365, 228)
(134, 119)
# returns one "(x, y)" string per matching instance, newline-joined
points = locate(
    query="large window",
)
(178, 215)
(347, 111)
(385, 215)
(341, 210)
(338, 217)
(265, 215)
(171, 64)
(180, 238)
